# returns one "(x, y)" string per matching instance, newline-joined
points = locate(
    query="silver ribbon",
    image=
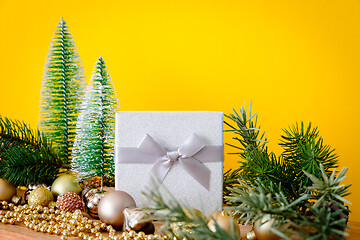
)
(191, 156)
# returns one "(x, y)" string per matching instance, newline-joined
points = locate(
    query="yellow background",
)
(296, 60)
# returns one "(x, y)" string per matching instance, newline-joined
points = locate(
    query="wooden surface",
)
(20, 232)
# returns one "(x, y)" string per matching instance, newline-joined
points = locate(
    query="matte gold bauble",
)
(65, 183)
(40, 197)
(225, 222)
(262, 229)
(7, 190)
(91, 199)
(111, 208)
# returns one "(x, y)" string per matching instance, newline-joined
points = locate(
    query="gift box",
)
(184, 150)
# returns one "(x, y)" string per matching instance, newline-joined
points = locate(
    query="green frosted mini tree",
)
(63, 85)
(93, 152)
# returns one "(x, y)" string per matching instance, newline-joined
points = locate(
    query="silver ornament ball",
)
(111, 208)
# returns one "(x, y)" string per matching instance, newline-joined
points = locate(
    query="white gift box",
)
(170, 130)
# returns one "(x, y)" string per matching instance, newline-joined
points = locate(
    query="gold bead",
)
(93, 230)
(63, 237)
(103, 226)
(141, 234)
(36, 228)
(80, 234)
(11, 221)
(132, 233)
(109, 228)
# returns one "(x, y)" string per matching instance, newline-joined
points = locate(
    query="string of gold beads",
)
(66, 224)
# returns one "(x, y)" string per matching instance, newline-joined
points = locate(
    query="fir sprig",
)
(246, 130)
(26, 155)
(193, 225)
(325, 215)
(304, 150)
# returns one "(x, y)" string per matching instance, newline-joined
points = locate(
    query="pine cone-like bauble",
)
(69, 202)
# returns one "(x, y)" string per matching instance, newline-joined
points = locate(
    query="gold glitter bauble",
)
(7, 190)
(262, 229)
(91, 199)
(31, 187)
(111, 207)
(65, 183)
(40, 197)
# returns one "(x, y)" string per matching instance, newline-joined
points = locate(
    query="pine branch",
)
(248, 134)
(304, 150)
(62, 85)
(182, 222)
(26, 155)
(325, 218)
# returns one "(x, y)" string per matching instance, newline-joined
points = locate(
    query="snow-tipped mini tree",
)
(62, 87)
(93, 151)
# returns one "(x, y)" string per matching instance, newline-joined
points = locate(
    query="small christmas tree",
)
(93, 152)
(62, 85)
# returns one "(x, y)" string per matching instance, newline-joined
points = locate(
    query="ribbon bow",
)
(184, 156)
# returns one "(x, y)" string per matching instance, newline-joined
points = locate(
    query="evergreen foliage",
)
(181, 222)
(26, 155)
(61, 92)
(304, 149)
(319, 213)
(298, 189)
(93, 151)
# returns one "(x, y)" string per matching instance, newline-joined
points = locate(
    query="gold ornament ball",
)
(111, 207)
(225, 222)
(65, 183)
(262, 229)
(7, 190)
(40, 197)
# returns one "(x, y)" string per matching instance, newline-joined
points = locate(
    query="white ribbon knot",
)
(173, 156)
(183, 156)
